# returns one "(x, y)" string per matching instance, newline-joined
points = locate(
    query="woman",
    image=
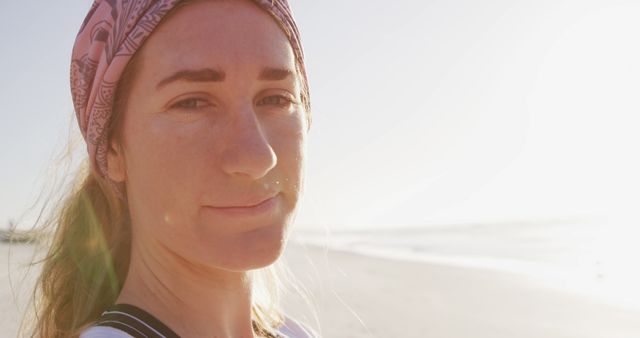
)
(195, 115)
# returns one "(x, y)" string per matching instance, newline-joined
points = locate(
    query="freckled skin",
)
(175, 159)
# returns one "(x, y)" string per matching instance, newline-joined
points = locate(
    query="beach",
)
(361, 296)
(16, 284)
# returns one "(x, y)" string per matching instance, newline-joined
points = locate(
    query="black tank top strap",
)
(135, 322)
(139, 323)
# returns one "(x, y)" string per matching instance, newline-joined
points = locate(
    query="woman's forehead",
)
(229, 36)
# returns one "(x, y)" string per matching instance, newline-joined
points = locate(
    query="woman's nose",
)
(248, 151)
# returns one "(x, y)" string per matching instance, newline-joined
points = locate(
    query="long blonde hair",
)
(88, 236)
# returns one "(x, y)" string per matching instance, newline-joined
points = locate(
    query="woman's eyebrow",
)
(199, 75)
(214, 75)
(274, 74)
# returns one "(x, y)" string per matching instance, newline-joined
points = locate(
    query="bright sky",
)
(425, 112)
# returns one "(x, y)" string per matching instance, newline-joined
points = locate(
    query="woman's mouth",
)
(266, 206)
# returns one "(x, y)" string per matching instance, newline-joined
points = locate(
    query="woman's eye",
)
(276, 100)
(193, 103)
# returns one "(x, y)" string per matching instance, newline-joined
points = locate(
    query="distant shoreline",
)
(16, 236)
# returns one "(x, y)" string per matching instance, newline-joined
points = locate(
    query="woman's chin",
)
(257, 249)
(255, 262)
(270, 249)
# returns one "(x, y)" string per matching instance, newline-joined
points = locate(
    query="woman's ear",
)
(115, 162)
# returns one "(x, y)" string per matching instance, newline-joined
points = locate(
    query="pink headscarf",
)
(109, 36)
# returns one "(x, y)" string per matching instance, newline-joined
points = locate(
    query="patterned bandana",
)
(109, 36)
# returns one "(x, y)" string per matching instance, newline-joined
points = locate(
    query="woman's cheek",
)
(165, 156)
(181, 161)
(177, 138)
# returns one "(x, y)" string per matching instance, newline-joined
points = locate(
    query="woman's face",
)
(213, 123)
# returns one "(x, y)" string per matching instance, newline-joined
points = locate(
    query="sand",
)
(16, 285)
(358, 296)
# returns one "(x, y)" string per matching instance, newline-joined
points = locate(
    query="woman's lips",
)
(264, 207)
